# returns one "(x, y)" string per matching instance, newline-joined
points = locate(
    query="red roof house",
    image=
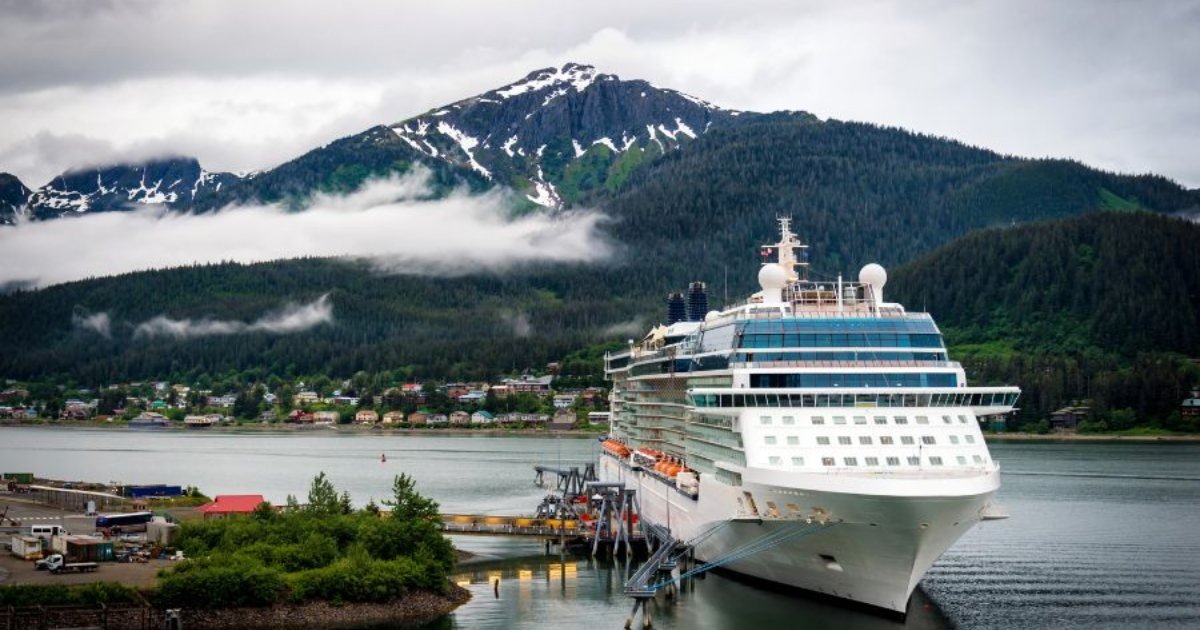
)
(226, 504)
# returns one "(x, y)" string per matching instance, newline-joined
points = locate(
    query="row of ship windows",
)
(866, 440)
(874, 461)
(820, 420)
(947, 399)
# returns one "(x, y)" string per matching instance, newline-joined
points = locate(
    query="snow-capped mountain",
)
(560, 131)
(554, 136)
(13, 195)
(176, 182)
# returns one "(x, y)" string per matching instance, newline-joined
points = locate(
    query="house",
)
(326, 417)
(225, 504)
(563, 401)
(366, 416)
(299, 415)
(1191, 406)
(393, 417)
(455, 390)
(418, 418)
(437, 419)
(1067, 418)
(563, 420)
(483, 417)
(224, 402)
(306, 398)
(460, 418)
(599, 417)
(531, 384)
(474, 396)
(351, 401)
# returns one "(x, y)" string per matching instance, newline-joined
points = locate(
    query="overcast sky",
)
(245, 84)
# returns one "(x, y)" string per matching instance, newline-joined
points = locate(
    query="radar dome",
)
(772, 276)
(712, 315)
(873, 274)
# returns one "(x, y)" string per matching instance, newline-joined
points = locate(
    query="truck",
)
(58, 564)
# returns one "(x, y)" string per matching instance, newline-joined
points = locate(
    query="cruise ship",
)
(815, 436)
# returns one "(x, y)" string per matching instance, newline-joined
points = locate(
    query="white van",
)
(47, 531)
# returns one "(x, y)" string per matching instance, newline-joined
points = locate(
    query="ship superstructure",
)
(813, 401)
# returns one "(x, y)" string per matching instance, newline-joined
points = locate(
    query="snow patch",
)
(508, 145)
(466, 143)
(578, 148)
(572, 75)
(606, 141)
(681, 127)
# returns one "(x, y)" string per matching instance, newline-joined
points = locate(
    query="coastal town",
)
(523, 402)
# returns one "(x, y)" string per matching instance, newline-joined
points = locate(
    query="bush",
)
(207, 584)
(19, 595)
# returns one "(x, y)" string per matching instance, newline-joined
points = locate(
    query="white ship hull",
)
(885, 533)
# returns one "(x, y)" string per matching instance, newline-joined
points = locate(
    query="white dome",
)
(772, 276)
(874, 275)
(712, 315)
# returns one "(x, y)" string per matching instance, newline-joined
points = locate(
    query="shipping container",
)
(141, 492)
(18, 477)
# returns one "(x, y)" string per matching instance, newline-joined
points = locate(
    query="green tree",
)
(407, 504)
(323, 497)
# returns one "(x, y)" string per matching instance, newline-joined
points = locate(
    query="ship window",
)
(844, 440)
(936, 461)
(850, 461)
(880, 419)
(793, 440)
(860, 419)
(797, 461)
(885, 439)
(901, 420)
(914, 461)
(864, 440)
(775, 460)
(906, 439)
(792, 507)
(928, 439)
(789, 419)
(946, 419)
(823, 440)
(978, 459)
(954, 439)
(922, 419)
(970, 439)
(872, 461)
(770, 439)
(818, 419)
(893, 461)
(962, 460)
(839, 419)
(962, 419)
(826, 461)
(765, 419)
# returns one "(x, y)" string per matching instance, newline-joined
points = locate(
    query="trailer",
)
(27, 547)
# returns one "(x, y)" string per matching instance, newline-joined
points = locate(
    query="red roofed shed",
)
(226, 504)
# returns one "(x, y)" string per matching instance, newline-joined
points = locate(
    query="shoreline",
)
(282, 428)
(357, 429)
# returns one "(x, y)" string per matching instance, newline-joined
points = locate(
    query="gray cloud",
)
(1109, 83)
(99, 323)
(386, 223)
(292, 318)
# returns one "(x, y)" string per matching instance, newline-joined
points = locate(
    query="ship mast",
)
(797, 269)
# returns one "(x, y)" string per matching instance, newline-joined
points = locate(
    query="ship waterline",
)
(814, 436)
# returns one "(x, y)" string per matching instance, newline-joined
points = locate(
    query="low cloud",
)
(626, 329)
(99, 323)
(292, 318)
(519, 323)
(389, 222)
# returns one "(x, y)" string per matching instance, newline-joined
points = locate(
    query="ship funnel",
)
(697, 304)
(676, 311)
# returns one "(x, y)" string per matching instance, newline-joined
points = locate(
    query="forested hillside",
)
(1104, 307)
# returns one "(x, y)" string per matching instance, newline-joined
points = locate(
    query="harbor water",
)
(1100, 535)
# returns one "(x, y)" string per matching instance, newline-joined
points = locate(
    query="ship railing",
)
(831, 314)
(845, 364)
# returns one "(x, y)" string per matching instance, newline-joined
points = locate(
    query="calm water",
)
(1101, 535)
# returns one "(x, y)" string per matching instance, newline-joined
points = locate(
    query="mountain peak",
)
(560, 131)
